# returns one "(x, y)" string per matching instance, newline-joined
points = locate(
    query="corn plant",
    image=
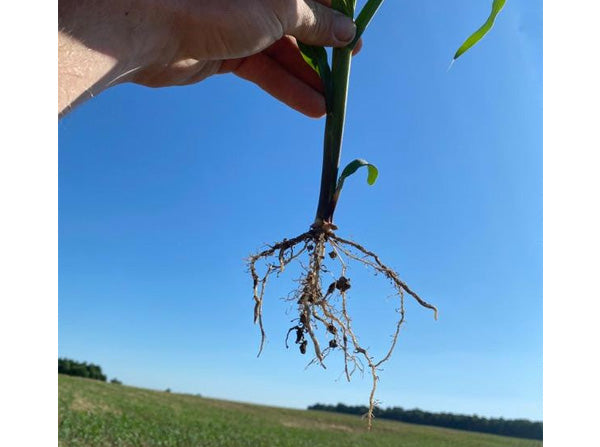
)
(329, 255)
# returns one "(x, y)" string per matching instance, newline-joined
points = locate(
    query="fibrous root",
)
(327, 306)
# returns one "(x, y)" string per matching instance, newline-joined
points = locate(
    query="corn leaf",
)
(351, 168)
(344, 6)
(478, 35)
(310, 54)
(364, 18)
(316, 57)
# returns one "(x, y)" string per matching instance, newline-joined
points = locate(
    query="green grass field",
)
(93, 413)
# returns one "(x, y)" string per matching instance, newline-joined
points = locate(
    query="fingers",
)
(357, 47)
(285, 51)
(315, 24)
(272, 77)
(281, 71)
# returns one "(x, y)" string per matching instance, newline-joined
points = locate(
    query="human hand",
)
(164, 43)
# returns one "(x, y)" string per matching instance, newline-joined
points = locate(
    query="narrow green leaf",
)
(316, 57)
(478, 35)
(351, 168)
(364, 18)
(344, 6)
(310, 55)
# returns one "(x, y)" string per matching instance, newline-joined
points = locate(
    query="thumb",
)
(315, 24)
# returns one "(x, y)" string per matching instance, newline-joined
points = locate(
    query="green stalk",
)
(334, 131)
(337, 95)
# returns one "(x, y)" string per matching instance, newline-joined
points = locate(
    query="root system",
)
(326, 307)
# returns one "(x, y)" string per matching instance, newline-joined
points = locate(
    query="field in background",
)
(93, 413)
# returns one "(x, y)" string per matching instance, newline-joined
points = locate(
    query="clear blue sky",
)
(164, 193)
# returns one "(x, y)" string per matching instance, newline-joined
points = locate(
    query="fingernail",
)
(344, 29)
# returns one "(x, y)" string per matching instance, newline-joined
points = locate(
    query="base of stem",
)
(320, 224)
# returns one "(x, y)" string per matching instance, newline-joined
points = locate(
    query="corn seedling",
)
(323, 303)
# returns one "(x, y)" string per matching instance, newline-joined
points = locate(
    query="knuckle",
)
(287, 12)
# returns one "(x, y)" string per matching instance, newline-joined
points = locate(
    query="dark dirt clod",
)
(342, 284)
(331, 288)
(303, 347)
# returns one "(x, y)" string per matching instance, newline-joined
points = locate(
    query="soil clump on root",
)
(323, 302)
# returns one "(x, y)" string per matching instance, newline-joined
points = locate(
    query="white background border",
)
(28, 236)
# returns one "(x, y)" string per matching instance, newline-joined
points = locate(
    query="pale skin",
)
(161, 43)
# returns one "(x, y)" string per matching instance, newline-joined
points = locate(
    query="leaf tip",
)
(451, 64)
(373, 174)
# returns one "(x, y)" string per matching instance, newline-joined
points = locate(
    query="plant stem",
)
(364, 18)
(334, 131)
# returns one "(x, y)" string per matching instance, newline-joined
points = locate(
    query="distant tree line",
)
(521, 428)
(80, 369)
